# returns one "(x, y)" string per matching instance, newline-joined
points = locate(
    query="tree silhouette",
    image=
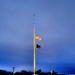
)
(24, 72)
(38, 71)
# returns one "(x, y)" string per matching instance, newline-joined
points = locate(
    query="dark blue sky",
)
(55, 23)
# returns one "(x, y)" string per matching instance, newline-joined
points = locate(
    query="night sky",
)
(55, 23)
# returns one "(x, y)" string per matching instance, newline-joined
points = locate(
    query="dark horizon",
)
(37, 72)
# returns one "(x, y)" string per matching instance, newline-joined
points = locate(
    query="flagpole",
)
(34, 52)
(34, 66)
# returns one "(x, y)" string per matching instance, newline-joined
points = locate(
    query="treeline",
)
(24, 72)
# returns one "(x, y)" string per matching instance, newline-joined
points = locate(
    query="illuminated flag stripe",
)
(38, 37)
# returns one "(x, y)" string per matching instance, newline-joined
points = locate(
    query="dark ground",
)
(23, 72)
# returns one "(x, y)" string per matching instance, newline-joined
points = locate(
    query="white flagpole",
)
(34, 48)
(34, 52)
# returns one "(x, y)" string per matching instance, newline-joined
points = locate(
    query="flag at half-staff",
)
(38, 46)
(38, 37)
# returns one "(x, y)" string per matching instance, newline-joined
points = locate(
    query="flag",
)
(38, 46)
(38, 37)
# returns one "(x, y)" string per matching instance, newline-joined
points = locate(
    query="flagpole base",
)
(34, 74)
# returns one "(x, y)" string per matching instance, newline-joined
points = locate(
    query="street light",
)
(13, 70)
